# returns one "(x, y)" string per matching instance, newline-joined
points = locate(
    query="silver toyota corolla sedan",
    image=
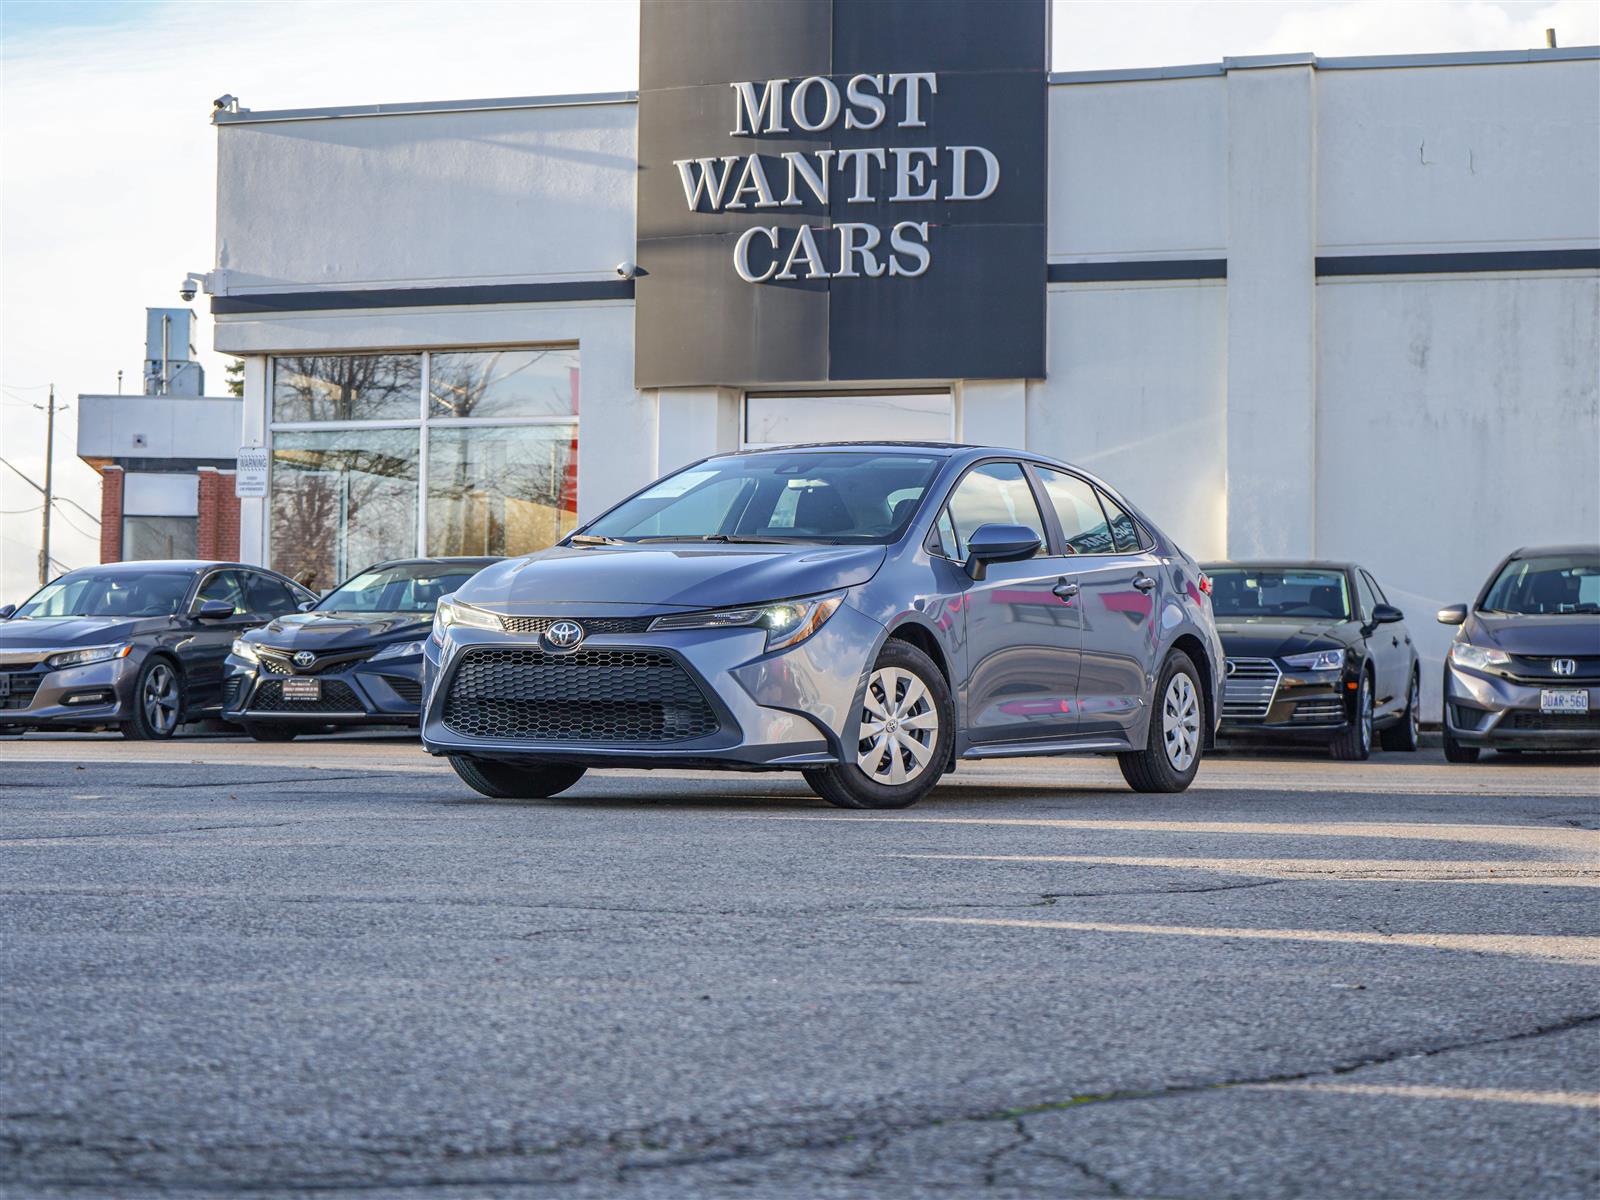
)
(867, 614)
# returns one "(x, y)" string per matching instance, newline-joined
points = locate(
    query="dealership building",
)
(1292, 306)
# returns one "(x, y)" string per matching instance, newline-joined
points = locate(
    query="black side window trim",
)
(1045, 516)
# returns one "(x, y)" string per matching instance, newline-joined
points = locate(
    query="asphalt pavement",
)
(328, 967)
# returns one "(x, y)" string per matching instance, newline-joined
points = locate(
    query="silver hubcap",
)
(899, 726)
(1180, 722)
(160, 699)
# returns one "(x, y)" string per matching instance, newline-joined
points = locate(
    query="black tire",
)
(1407, 733)
(1354, 742)
(271, 733)
(158, 701)
(1170, 761)
(900, 746)
(1455, 752)
(506, 781)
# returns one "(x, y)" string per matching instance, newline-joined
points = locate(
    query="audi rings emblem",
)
(304, 658)
(1230, 668)
(564, 635)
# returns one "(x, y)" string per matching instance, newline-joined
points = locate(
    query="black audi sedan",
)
(1314, 653)
(138, 646)
(1524, 670)
(353, 659)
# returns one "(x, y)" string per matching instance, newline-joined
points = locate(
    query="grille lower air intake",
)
(591, 625)
(622, 696)
(337, 697)
(1249, 688)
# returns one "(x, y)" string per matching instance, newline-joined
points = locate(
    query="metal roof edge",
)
(1366, 62)
(247, 116)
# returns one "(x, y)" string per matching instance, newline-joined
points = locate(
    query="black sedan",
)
(1315, 652)
(135, 645)
(1524, 670)
(354, 659)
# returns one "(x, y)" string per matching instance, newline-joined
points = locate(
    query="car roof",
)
(443, 560)
(1567, 548)
(146, 565)
(1313, 564)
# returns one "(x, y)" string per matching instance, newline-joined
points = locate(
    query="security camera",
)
(229, 103)
(627, 269)
(186, 289)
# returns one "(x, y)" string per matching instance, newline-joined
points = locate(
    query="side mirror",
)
(1455, 614)
(214, 610)
(996, 542)
(6, 610)
(1386, 614)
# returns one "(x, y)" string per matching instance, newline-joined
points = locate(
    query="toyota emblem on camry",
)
(304, 658)
(564, 635)
(1564, 666)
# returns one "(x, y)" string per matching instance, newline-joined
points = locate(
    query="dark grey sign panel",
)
(836, 190)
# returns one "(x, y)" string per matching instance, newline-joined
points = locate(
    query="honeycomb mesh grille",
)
(590, 624)
(337, 697)
(628, 696)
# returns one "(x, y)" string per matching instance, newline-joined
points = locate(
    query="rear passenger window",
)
(995, 493)
(1124, 532)
(1083, 524)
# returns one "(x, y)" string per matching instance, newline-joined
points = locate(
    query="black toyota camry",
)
(1315, 653)
(355, 658)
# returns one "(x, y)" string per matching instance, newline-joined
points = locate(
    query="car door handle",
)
(1065, 589)
(1143, 582)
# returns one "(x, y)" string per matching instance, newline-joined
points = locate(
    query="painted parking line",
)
(1586, 1100)
(1426, 870)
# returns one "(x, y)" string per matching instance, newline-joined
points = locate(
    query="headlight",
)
(788, 623)
(1316, 660)
(245, 650)
(453, 612)
(1479, 658)
(89, 654)
(399, 650)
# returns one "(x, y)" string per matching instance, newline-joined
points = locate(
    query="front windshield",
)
(1545, 584)
(1279, 592)
(835, 496)
(409, 587)
(109, 594)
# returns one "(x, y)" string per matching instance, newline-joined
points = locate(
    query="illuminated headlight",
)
(89, 654)
(1316, 660)
(788, 622)
(453, 612)
(399, 650)
(245, 650)
(1477, 658)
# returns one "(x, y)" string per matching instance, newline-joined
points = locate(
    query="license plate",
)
(302, 689)
(1564, 700)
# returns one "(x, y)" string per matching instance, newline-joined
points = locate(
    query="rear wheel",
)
(506, 781)
(1407, 735)
(271, 733)
(157, 702)
(902, 738)
(1354, 742)
(1171, 755)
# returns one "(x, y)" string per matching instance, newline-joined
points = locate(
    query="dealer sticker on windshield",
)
(1564, 700)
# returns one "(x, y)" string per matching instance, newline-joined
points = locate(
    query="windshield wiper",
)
(594, 539)
(738, 538)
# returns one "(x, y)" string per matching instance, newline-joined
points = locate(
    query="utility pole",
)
(49, 467)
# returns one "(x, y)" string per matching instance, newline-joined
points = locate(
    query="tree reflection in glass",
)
(504, 383)
(509, 490)
(346, 387)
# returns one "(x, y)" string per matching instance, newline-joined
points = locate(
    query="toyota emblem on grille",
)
(564, 635)
(304, 658)
(1564, 666)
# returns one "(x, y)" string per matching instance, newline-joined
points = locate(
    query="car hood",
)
(334, 630)
(668, 576)
(1264, 637)
(63, 633)
(1574, 634)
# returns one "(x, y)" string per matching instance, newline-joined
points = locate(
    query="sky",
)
(107, 154)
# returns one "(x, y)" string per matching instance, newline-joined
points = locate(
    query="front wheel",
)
(1354, 742)
(1407, 735)
(157, 702)
(506, 781)
(902, 739)
(1171, 754)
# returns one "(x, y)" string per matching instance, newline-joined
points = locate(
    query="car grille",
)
(337, 697)
(1468, 720)
(279, 662)
(23, 688)
(1320, 712)
(1523, 721)
(625, 696)
(409, 690)
(1539, 669)
(590, 625)
(231, 690)
(1249, 688)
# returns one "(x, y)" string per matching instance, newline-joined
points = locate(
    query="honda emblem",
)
(1564, 666)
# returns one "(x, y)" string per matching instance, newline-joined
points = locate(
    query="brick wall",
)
(218, 533)
(110, 514)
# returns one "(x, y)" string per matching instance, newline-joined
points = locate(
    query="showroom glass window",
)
(443, 452)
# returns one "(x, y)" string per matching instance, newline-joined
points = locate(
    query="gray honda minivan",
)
(866, 614)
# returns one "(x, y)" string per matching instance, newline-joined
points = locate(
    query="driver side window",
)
(1364, 591)
(225, 586)
(995, 493)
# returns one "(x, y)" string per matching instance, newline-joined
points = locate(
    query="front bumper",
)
(77, 697)
(1299, 706)
(788, 709)
(1494, 711)
(383, 692)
